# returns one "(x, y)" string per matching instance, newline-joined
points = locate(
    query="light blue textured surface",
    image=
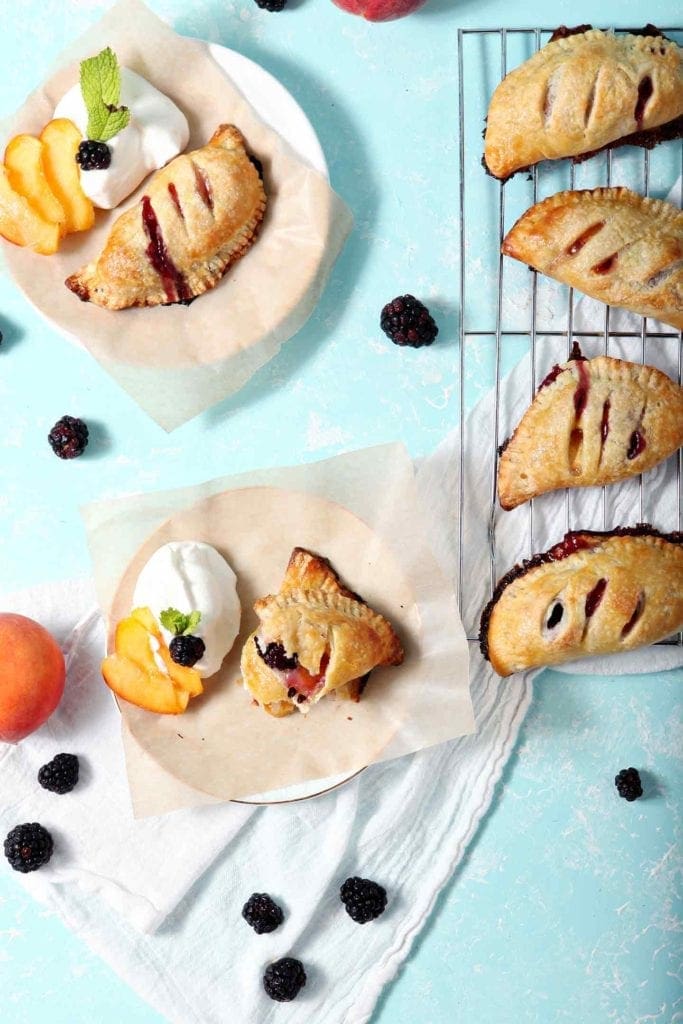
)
(567, 907)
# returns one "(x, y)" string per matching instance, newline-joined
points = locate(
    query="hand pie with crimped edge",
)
(611, 244)
(582, 92)
(315, 637)
(592, 422)
(198, 215)
(593, 593)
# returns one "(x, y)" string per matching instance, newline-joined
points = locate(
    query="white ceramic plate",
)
(273, 104)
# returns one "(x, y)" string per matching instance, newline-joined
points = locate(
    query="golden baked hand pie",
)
(592, 422)
(610, 243)
(198, 215)
(593, 593)
(315, 637)
(582, 92)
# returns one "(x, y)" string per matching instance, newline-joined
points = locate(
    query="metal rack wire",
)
(557, 343)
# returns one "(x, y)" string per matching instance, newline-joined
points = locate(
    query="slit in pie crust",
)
(592, 422)
(315, 637)
(593, 593)
(584, 91)
(198, 215)
(609, 243)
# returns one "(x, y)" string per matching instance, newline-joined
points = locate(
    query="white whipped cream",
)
(157, 132)
(192, 576)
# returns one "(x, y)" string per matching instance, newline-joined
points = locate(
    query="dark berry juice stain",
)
(594, 598)
(604, 422)
(606, 265)
(553, 375)
(636, 445)
(581, 393)
(556, 614)
(173, 192)
(637, 612)
(173, 281)
(645, 90)
(571, 543)
(578, 243)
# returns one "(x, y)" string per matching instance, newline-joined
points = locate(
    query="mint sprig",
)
(178, 623)
(101, 90)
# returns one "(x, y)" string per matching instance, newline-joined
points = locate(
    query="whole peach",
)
(32, 673)
(380, 10)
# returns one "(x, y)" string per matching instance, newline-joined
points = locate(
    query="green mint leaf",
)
(100, 78)
(174, 621)
(192, 621)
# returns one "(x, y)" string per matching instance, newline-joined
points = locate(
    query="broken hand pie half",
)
(593, 593)
(314, 637)
(197, 216)
(611, 244)
(583, 91)
(592, 422)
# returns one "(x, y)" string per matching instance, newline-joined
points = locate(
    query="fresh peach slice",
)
(24, 163)
(61, 139)
(150, 690)
(187, 678)
(19, 222)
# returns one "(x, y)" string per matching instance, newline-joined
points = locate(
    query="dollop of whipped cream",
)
(157, 132)
(193, 576)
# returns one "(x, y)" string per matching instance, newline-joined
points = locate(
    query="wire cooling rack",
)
(509, 314)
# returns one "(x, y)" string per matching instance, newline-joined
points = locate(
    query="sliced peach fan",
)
(134, 674)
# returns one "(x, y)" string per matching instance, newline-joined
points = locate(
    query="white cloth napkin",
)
(160, 898)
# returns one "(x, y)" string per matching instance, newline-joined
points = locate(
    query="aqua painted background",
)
(567, 907)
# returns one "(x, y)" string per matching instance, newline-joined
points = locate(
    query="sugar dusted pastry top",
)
(314, 637)
(610, 243)
(579, 94)
(592, 422)
(593, 593)
(198, 215)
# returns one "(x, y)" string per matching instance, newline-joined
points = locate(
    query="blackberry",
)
(28, 847)
(628, 784)
(262, 913)
(364, 900)
(275, 656)
(187, 650)
(407, 321)
(69, 437)
(271, 5)
(93, 156)
(284, 979)
(59, 775)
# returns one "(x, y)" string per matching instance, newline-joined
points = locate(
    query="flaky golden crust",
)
(580, 93)
(598, 421)
(336, 637)
(610, 243)
(199, 214)
(615, 593)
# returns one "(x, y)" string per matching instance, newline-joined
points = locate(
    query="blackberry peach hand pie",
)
(592, 422)
(611, 244)
(314, 637)
(584, 91)
(593, 593)
(199, 214)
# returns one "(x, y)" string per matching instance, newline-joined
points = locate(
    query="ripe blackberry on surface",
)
(364, 900)
(407, 321)
(93, 156)
(628, 784)
(69, 437)
(275, 656)
(262, 913)
(271, 5)
(187, 650)
(28, 847)
(284, 979)
(59, 775)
